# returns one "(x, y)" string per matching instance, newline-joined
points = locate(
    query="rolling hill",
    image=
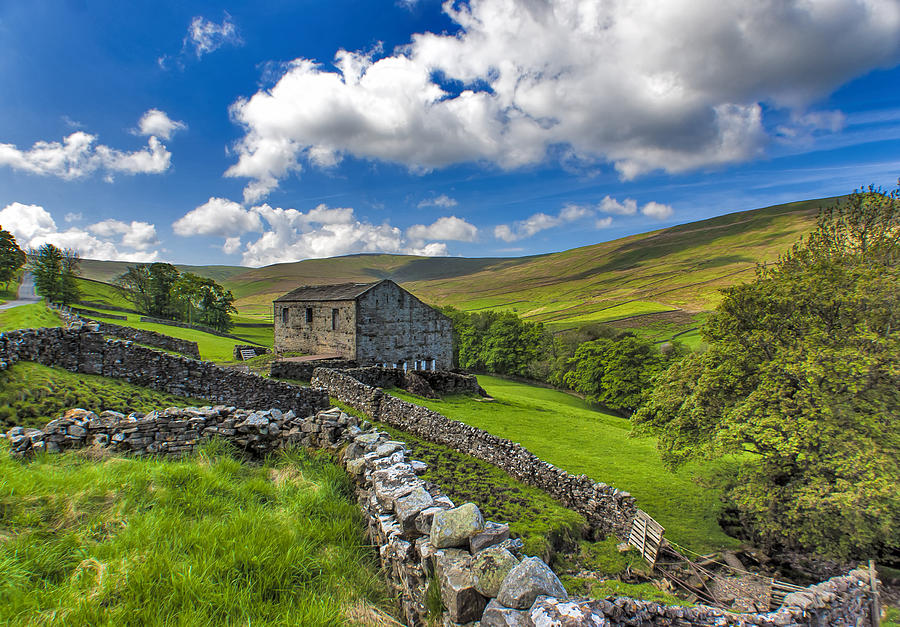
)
(666, 277)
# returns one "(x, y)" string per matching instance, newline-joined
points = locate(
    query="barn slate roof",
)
(341, 291)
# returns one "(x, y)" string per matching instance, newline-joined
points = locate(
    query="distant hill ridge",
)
(676, 269)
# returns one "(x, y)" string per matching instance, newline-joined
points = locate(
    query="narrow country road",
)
(27, 295)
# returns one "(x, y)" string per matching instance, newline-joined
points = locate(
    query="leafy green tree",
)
(618, 372)
(54, 273)
(216, 306)
(187, 295)
(159, 289)
(802, 379)
(11, 257)
(68, 286)
(162, 278)
(511, 345)
(45, 264)
(135, 281)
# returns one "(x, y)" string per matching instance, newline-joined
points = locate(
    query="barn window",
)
(334, 319)
(284, 315)
(309, 315)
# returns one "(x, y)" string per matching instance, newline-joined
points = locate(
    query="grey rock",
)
(493, 533)
(552, 612)
(454, 527)
(76, 431)
(490, 568)
(409, 506)
(463, 601)
(530, 579)
(496, 615)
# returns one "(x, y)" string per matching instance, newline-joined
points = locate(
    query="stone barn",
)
(372, 323)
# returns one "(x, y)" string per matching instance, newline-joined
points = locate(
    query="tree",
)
(54, 273)
(216, 306)
(68, 286)
(617, 372)
(11, 257)
(162, 278)
(135, 281)
(159, 289)
(802, 379)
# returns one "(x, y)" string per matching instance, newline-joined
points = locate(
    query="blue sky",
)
(247, 135)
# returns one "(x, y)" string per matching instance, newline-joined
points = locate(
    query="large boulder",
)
(490, 567)
(454, 527)
(530, 579)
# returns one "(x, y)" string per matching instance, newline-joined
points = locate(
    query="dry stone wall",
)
(149, 338)
(73, 318)
(84, 349)
(419, 534)
(303, 370)
(606, 509)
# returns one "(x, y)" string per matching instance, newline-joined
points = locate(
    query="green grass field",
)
(208, 540)
(31, 395)
(566, 431)
(28, 316)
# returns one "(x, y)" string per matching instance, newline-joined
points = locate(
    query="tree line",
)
(161, 290)
(799, 386)
(609, 367)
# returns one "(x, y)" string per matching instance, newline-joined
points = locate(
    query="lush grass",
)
(28, 316)
(103, 293)
(32, 395)
(544, 525)
(567, 432)
(204, 541)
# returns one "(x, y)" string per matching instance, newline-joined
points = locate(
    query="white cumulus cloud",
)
(443, 201)
(78, 156)
(206, 36)
(539, 222)
(641, 84)
(217, 216)
(111, 240)
(610, 205)
(156, 122)
(449, 227)
(657, 210)
(291, 235)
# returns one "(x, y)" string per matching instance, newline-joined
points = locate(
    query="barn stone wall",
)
(395, 327)
(295, 332)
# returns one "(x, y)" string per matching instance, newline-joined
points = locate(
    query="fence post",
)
(876, 603)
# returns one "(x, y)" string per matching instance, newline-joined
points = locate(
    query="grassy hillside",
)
(678, 270)
(566, 431)
(107, 271)
(208, 540)
(661, 278)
